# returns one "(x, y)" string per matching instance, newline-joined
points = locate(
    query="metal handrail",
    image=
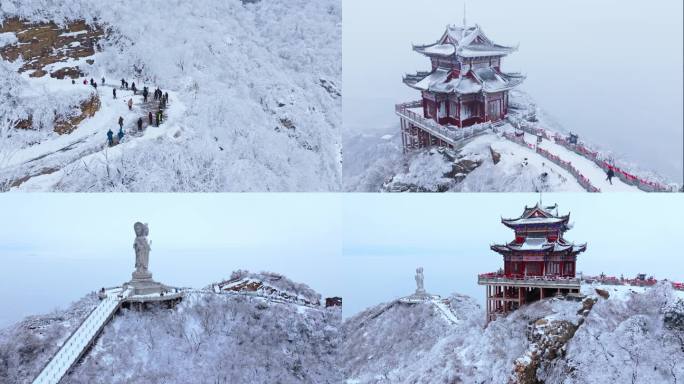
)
(441, 131)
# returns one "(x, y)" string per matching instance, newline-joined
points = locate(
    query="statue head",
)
(140, 229)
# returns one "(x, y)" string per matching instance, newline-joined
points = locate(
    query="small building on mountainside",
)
(464, 87)
(538, 263)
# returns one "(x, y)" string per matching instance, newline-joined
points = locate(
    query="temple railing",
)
(595, 156)
(613, 280)
(555, 281)
(449, 135)
(581, 179)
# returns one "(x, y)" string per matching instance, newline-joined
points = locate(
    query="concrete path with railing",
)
(79, 342)
(446, 311)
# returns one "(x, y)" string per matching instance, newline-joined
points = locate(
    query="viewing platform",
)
(495, 278)
(433, 134)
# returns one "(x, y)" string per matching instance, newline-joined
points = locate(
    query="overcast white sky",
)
(55, 248)
(610, 70)
(386, 236)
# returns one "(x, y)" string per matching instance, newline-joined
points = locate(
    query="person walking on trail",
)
(145, 93)
(166, 98)
(140, 124)
(92, 81)
(161, 116)
(610, 175)
(126, 85)
(103, 81)
(120, 135)
(123, 83)
(110, 137)
(120, 122)
(114, 92)
(149, 117)
(95, 86)
(135, 90)
(130, 104)
(158, 118)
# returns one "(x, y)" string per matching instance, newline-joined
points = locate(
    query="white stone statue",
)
(420, 288)
(142, 249)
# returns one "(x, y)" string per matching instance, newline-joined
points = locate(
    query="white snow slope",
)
(627, 338)
(254, 86)
(208, 337)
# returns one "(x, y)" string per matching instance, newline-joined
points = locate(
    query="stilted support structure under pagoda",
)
(538, 263)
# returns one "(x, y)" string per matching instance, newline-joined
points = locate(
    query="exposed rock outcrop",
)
(44, 44)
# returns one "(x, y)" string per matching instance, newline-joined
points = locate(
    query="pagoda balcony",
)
(447, 133)
(548, 281)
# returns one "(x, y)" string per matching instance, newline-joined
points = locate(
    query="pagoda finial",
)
(464, 15)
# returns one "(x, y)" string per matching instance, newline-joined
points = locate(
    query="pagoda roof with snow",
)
(539, 241)
(536, 216)
(465, 42)
(442, 80)
(541, 245)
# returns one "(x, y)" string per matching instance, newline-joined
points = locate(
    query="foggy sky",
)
(55, 248)
(609, 70)
(386, 236)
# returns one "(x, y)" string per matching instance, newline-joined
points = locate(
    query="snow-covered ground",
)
(207, 337)
(254, 88)
(628, 337)
(375, 162)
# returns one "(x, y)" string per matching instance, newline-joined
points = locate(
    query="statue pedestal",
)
(143, 284)
(141, 276)
(420, 296)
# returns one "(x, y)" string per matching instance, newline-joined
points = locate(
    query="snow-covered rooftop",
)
(465, 42)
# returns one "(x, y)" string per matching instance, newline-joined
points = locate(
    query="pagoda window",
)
(453, 108)
(552, 268)
(468, 110)
(442, 109)
(570, 269)
(494, 108)
(533, 268)
(430, 110)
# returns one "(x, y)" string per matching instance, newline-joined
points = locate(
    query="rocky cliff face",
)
(627, 337)
(45, 48)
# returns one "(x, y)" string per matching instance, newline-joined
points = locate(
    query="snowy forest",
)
(615, 336)
(253, 88)
(208, 337)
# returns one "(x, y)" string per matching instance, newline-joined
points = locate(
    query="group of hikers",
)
(153, 119)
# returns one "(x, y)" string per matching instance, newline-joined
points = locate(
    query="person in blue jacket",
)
(120, 135)
(110, 137)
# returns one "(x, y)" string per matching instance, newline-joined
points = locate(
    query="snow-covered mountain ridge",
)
(209, 336)
(628, 335)
(254, 97)
(507, 158)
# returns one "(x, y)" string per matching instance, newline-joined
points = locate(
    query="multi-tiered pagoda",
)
(464, 87)
(538, 263)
